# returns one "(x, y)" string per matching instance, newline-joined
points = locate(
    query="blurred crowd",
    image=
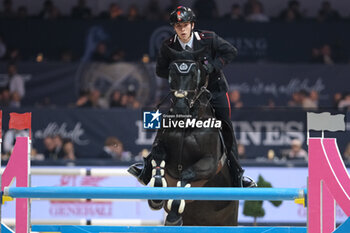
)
(302, 99)
(56, 148)
(12, 91)
(250, 11)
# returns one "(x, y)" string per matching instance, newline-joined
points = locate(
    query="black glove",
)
(209, 68)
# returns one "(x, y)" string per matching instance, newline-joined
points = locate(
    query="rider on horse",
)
(218, 53)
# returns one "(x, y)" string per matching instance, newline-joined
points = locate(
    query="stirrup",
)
(135, 169)
(139, 172)
(248, 182)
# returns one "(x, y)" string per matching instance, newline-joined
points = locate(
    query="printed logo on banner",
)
(151, 120)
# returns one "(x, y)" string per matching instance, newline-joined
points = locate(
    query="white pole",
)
(95, 222)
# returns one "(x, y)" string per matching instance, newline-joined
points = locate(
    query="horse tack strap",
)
(221, 163)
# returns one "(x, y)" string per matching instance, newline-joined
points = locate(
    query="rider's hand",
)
(209, 68)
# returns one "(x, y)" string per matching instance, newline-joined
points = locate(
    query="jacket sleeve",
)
(224, 52)
(162, 66)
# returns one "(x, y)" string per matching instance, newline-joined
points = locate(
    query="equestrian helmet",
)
(182, 14)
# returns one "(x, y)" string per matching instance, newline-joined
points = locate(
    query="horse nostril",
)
(180, 94)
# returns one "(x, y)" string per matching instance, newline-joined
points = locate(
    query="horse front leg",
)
(158, 172)
(176, 208)
(204, 169)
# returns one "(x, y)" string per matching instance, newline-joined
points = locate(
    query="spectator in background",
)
(14, 55)
(114, 149)
(68, 150)
(58, 142)
(92, 99)
(46, 10)
(314, 97)
(344, 104)
(5, 98)
(3, 48)
(257, 14)
(235, 13)
(133, 13)
(15, 100)
(10, 138)
(292, 9)
(326, 54)
(289, 16)
(323, 55)
(337, 97)
(100, 54)
(133, 103)
(316, 56)
(22, 12)
(124, 101)
(296, 151)
(7, 12)
(4, 90)
(241, 151)
(83, 98)
(248, 6)
(271, 156)
(235, 99)
(116, 98)
(346, 154)
(127, 100)
(49, 11)
(142, 154)
(34, 155)
(49, 148)
(327, 13)
(16, 86)
(295, 102)
(153, 10)
(53, 147)
(81, 11)
(205, 9)
(306, 101)
(115, 12)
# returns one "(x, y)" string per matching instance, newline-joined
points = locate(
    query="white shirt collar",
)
(189, 43)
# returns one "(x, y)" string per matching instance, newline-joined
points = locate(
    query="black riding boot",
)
(143, 172)
(235, 168)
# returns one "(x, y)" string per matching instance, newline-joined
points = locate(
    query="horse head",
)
(186, 76)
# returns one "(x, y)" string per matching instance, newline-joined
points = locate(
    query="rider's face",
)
(183, 31)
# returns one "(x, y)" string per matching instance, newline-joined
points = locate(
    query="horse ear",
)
(176, 54)
(184, 54)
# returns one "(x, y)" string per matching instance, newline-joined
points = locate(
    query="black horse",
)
(191, 155)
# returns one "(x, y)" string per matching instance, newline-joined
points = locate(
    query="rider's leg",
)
(221, 105)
